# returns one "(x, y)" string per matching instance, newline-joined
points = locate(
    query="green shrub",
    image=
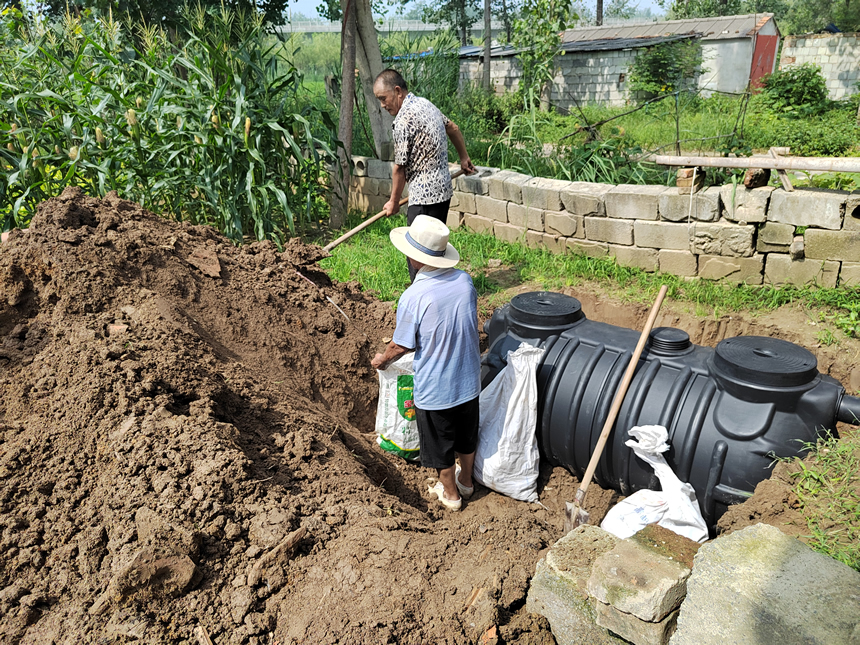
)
(665, 68)
(831, 134)
(799, 90)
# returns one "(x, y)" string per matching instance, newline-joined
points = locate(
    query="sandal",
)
(439, 492)
(465, 492)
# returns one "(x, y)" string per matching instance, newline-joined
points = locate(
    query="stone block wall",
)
(836, 54)
(754, 236)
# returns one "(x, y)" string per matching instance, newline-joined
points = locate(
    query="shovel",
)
(368, 222)
(574, 514)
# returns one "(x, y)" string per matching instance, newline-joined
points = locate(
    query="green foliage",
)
(207, 132)
(831, 134)
(460, 14)
(665, 68)
(314, 55)
(538, 34)
(430, 65)
(798, 90)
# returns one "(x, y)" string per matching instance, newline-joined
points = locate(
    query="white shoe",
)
(465, 492)
(439, 492)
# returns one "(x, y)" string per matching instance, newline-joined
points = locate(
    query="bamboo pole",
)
(826, 164)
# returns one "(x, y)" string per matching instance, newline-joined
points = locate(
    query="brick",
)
(536, 219)
(585, 198)
(776, 233)
(544, 194)
(633, 629)
(496, 184)
(681, 263)
(464, 202)
(508, 232)
(454, 220)
(662, 235)
(808, 207)
(585, 247)
(628, 201)
(677, 208)
(117, 329)
(731, 240)
(378, 169)
(604, 229)
(749, 205)
(514, 183)
(781, 269)
(631, 256)
(832, 245)
(736, 270)
(472, 184)
(478, 224)
(495, 209)
(849, 275)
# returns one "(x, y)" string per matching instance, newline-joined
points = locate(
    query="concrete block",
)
(705, 205)
(737, 270)
(472, 184)
(585, 247)
(808, 207)
(776, 234)
(561, 223)
(378, 169)
(383, 188)
(634, 630)
(831, 245)
(585, 198)
(496, 184)
(604, 229)
(495, 209)
(852, 212)
(639, 581)
(518, 215)
(514, 183)
(631, 256)
(365, 185)
(464, 202)
(764, 247)
(508, 232)
(662, 235)
(544, 194)
(535, 220)
(557, 590)
(761, 586)
(780, 269)
(632, 202)
(359, 166)
(454, 220)
(849, 274)
(538, 240)
(741, 204)
(722, 238)
(478, 224)
(681, 263)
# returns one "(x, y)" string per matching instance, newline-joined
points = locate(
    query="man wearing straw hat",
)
(437, 317)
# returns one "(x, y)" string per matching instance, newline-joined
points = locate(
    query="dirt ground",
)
(187, 450)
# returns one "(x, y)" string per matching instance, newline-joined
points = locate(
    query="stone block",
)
(544, 194)
(604, 229)
(780, 269)
(514, 183)
(721, 238)
(464, 202)
(705, 206)
(681, 263)
(628, 201)
(741, 204)
(454, 220)
(585, 198)
(852, 212)
(508, 232)
(585, 247)
(563, 223)
(518, 215)
(474, 184)
(761, 586)
(831, 245)
(639, 581)
(538, 240)
(776, 234)
(815, 207)
(557, 590)
(495, 209)
(633, 629)
(631, 256)
(478, 224)
(535, 220)
(378, 169)
(764, 247)
(736, 270)
(383, 188)
(662, 235)
(496, 184)
(359, 166)
(849, 274)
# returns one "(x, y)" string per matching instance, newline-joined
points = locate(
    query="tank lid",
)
(766, 361)
(669, 340)
(545, 309)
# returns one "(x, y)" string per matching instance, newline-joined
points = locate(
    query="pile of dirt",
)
(186, 446)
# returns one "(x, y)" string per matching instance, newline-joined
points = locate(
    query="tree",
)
(538, 34)
(341, 178)
(460, 14)
(507, 11)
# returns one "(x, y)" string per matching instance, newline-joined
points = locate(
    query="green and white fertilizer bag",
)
(396, 426)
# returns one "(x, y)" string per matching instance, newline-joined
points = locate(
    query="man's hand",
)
(467, 165)
(392, 352)
(391, 207)
(378, 362)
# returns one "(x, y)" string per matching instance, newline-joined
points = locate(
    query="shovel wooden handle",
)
(368, 222)
(619, 398)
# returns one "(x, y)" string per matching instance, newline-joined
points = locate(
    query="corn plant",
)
(207, 127)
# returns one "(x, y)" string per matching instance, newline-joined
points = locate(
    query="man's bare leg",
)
(467, 464)
(446, 476)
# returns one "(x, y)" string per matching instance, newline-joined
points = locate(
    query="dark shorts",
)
(443, 433)
(439, 211)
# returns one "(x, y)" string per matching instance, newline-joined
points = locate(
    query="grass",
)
(370, 259)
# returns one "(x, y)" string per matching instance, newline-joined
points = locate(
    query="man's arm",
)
(392, 352)
(459, 142)
(398, 183)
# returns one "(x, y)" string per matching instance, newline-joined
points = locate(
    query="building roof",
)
(473, 51)
(719, 28)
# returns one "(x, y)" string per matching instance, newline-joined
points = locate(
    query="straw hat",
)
(426, 241)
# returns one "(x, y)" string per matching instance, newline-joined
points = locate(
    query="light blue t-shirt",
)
(438, 317)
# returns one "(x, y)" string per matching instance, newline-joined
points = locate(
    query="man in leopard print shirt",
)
(421, 135)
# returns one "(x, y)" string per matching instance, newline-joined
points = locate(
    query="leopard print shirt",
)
(421, 146)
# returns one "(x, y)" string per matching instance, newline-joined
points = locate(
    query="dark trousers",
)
(439, 211)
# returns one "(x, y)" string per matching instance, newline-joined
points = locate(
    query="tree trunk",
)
(369, 59)
(488, 37)
(340, 202)
(599, 12)
(507, 20)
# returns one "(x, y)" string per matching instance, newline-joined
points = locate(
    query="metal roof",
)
(582, 46)
(720, 28)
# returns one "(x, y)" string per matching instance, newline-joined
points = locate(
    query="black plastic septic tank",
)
(729, 411)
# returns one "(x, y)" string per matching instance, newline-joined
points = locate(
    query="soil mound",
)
(185, 445)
